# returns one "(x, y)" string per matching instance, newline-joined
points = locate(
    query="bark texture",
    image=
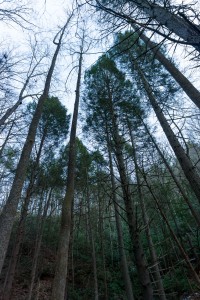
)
(92, 243)
(41, 221)
(184, 83)
(181, 190)
(59, 284)
(9, 211)
(152, 250)
(142, 269)
(186, 30)
(184, 161)
(124, 264)
(176, 23)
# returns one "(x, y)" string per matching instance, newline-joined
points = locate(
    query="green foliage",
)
(54, 122)
(113, 100)
(174, 281)
(127, 48)
(8, 160)
(108, 94)
(50, 234)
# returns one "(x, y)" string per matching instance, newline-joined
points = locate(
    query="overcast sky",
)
(48, 16)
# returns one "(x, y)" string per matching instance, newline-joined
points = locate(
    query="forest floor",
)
(83, 279)
(44, 291)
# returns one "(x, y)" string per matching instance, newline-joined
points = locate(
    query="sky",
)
(49, 16)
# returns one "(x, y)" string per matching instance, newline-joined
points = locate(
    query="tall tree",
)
(59, 284)
(148, 84)
(53, 126)
(180, 78)
(172, 17)
(107, 90)
(154, 258)
(124, 264)
(9, 211)
(185, 162)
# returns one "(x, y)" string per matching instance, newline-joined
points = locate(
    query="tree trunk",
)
(185, 29)
(184, 83)
(154, 258)
(9, 211)
(16, 249)
(20, 230)
(142, 269)
(178, 24)
(59, 284)
(71, 250)
(124, 264)
(101, 230)
(182, 251)
(184, 161)
(181, 190)
(94, 260)
(38, 244)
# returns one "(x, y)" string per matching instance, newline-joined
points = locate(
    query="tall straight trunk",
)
(9, 211)
(123, 260)
(138, 252)
(181, 190)
(38, 244)
(71, 251)
(184, 161)
(16, 248)
(20, 230)
(111, 246)
(178, 24)
(153, 254)
(180, 247)
(185, 29)
(71, 246)
(59, 283)
(184, 83)
(101, 230)
(94, 260)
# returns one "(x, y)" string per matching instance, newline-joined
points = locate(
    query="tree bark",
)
(16, 249)
(9, 211)
(154, 258)
(185, 29)
(41, 220)
(101, 230)
(59, 284)
(182, 251)
(184, 161)
(124, 264)
(141, 266)
(94, 260)
(20, 230)
(181, 190)
(178, 24)
(184, 83)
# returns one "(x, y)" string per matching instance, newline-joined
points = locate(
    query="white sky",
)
(48, 16)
